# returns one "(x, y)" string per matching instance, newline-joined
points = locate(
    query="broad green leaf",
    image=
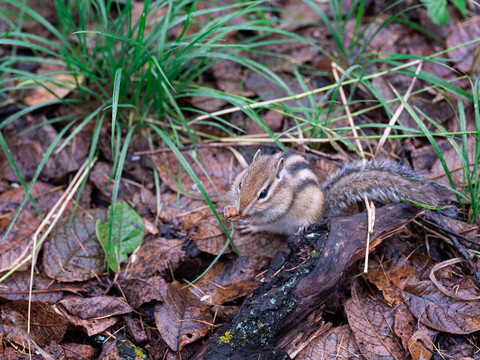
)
(127, 230)
(437, 11)
(461, 5)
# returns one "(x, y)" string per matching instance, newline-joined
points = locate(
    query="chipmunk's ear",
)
(257, 155)
(280, 167)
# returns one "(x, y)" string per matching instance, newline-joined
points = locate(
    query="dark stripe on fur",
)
(298, 166)
(304, 184)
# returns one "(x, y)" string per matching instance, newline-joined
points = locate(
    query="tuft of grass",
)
(132, 70)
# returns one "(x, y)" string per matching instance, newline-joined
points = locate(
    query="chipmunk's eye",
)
(263, 194)
(239, 185)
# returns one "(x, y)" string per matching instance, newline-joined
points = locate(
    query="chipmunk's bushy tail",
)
(385, 180)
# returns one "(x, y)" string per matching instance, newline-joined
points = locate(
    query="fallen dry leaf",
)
(91, 326)
(433, 308)
(420, 345)
(210, 238)
(454, 164)
(379, 41)
(398, 273)
(17, 244)
(230, 77)
(140, 291)
(29, 147)
(156, 256)
(71, 351)
(405, 324)
(458, 347)
(218, 163)
(462, 32)
(95, 307)
(17, 285)
(45, 324)
(175, 208)
(27, 156)
(208, 104)
(274, 120)
(371, 321)
(72, 252)
(182, 318)
(100, 177)
(338, 343)
(56, 87)
(270, 90)
(228, 281)
(16, 248)
(110, 351)
(136, 328)
(411, 276)
(440, 111)
(94, 314)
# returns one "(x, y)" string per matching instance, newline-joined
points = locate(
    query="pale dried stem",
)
(347, 110)
(298, 96)
(399, 110)
(443, 289)
(62, 204)
(371, 223)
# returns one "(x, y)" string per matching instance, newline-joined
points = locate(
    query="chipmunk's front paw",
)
(248, 229)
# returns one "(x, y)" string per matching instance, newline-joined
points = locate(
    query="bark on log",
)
(287, 308)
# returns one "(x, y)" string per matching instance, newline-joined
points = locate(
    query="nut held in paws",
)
(231, 213)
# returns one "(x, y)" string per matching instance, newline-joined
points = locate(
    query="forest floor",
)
(156, 276)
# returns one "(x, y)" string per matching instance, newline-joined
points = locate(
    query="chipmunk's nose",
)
(240, 212)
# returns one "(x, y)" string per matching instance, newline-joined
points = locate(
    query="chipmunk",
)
(281, 194)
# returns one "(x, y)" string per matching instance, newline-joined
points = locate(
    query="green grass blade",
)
(116, 184)
(116, 93)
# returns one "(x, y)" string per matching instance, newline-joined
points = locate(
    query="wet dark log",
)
(287, 308)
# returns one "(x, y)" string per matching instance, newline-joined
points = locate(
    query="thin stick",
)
(298, 96)
(347, 111)
(62, 203)
(186, 148)
(399, 110)
(371, 223)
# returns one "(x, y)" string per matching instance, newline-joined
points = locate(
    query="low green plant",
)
(121, 235)
(438, 12)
